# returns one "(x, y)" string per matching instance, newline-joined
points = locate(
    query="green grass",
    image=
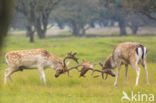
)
(27, 88)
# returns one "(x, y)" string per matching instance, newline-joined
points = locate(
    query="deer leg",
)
(126, 72)
(137, 69)
(10, 78)
(7, 74)
(42, 75)
(146, 71)
(118, 71)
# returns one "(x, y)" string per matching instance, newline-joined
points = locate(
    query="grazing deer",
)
(127, 53)
(35, 58)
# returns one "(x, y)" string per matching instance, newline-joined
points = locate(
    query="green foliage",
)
(27, 88)
(36, 13)
(77, 14)
(146, 7)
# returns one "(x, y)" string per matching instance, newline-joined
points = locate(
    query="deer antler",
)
(84, 63)
(86, 66)
(102, 72)
(70, 56)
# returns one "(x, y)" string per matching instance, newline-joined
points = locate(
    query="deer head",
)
(64, 66)
(107, 71)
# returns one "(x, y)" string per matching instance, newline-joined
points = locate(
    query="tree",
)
(146, 7)
(37, 13)
(76, 14)
(129, 12)
(134, 21)
(113, 10)
(42, 13)
(5, 16)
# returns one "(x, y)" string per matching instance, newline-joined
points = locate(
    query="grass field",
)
(27, 88)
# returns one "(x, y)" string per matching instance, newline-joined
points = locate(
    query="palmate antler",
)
(70, 56)
(107, 71)
(86, 66)
(102, 72)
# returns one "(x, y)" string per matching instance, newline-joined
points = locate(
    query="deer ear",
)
(68, 63)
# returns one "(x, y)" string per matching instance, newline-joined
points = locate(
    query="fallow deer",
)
(35, 58)
(127, 53)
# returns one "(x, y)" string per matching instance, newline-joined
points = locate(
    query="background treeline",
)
(37, 16)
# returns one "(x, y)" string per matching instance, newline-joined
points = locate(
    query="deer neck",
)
(55, 62)
(110, 63)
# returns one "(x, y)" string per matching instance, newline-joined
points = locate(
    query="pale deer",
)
(127, 53)
(35, 58)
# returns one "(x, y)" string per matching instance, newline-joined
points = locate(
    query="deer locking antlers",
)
(85, 67)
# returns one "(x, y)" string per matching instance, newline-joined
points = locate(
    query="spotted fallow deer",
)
(127, 53)
(35, 58)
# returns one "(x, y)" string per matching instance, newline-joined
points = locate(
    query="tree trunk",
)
(134, 30)
(31, 37)
(83, 32)
(122, 27)
(77, 31)
(30, 32)
(41, 31)
(27, 33)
